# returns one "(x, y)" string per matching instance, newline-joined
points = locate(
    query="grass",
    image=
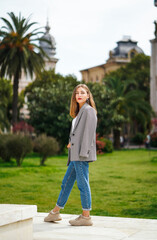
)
(123, 184)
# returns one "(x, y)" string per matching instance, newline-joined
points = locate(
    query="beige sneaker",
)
(81, 221)
(52, 217)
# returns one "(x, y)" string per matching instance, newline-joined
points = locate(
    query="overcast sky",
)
(86, 30)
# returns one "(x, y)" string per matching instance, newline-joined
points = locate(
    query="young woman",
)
(82, 150)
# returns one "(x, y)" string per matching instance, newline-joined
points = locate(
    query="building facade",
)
(153, 75)
(126, 49)
(153, 82)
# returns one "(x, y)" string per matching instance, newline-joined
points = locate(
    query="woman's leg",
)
(82, 177)
(66, 187)
(67, 184)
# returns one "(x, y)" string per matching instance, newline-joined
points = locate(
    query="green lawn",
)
(123, 184)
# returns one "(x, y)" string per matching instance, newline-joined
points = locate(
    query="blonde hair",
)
(74, 106)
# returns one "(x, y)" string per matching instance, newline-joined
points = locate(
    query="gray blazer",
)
(83, 137)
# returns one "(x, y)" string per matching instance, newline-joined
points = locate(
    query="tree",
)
(138, 71)
(19, 52)
(137, 74)
(5, 103)
(101, 99)
(49, 104)
(126, 104)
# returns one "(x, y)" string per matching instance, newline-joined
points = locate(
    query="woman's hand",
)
(69, 145)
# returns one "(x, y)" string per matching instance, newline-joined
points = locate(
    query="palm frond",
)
(9, 26)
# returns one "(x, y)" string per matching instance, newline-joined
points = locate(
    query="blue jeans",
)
(77, 170)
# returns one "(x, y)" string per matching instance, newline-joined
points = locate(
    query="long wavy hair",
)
(74, 106)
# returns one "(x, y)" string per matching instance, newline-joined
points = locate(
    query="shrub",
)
(108, 148)
(100, 145)
(46, 147)
(138, 138)
(5, 154)
(23, 127)
(103, 144)
(19, 145)
(153, 141)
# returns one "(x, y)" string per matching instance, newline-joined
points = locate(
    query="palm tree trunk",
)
(15, 97)
(116, 134)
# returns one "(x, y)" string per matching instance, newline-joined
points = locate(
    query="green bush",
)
(19, 145)
(108, 148)
(45, 146)
(153, 141)
(5, 154)
(138, 138)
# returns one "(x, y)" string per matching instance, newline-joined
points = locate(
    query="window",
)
(132, 54)
(97, 79)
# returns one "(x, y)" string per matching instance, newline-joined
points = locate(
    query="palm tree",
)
(5, 103)
(126, 104)
(19, 52)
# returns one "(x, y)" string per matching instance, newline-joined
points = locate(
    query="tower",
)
(49, 48)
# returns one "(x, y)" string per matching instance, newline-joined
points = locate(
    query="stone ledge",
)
(16, 221)
(11, 213)
(21, 230)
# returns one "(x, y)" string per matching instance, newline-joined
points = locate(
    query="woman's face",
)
(81, 95)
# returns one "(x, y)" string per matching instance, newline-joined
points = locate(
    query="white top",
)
(73, 123)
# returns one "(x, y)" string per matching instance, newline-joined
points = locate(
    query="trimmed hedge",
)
(5, 154)
(14, 146)
(19, 146)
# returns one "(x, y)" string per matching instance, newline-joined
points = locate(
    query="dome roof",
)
(49, 48)
(124, 47)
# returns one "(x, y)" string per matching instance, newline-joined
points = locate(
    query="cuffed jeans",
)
(77, 171)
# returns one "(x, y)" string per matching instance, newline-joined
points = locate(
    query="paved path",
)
(106, 228)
